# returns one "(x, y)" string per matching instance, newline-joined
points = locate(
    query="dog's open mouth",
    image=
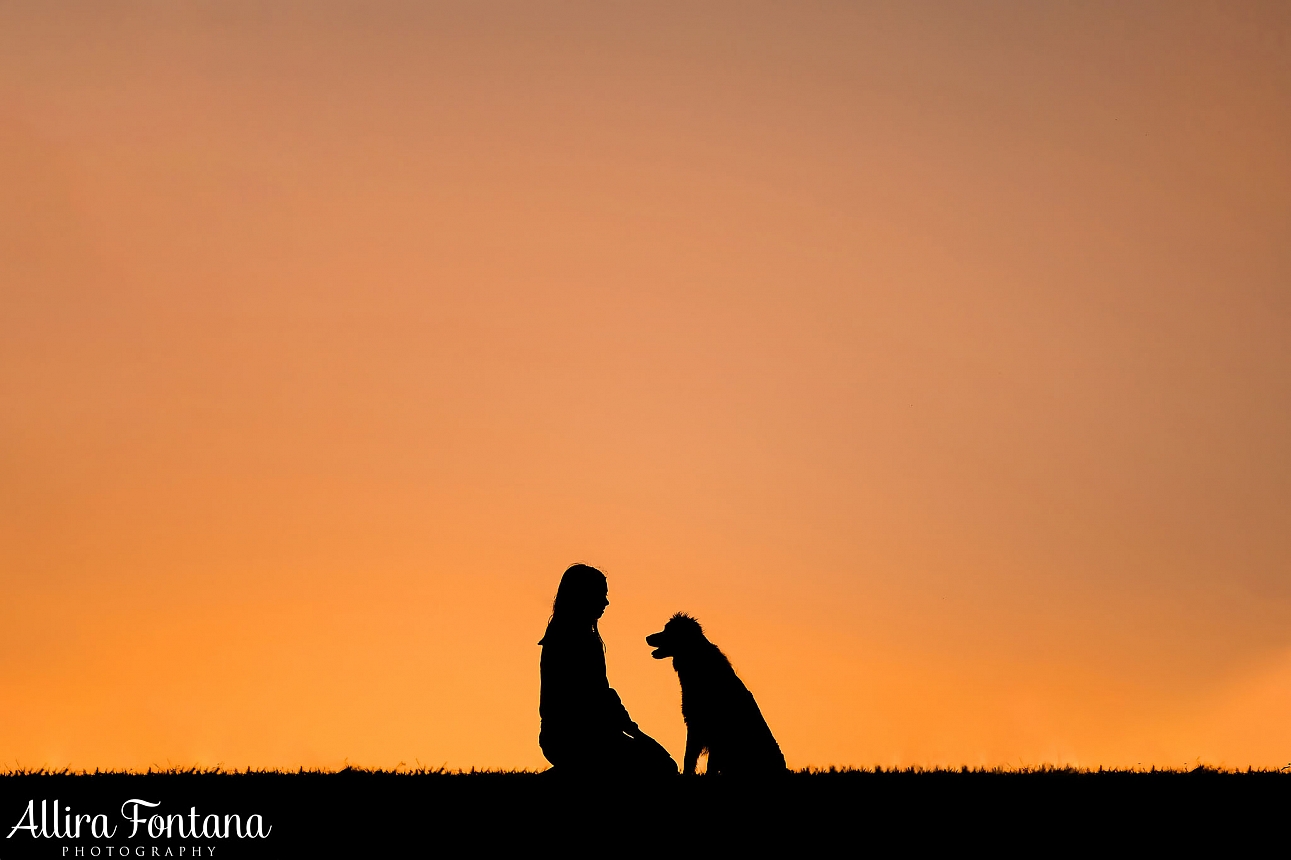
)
(658, 654)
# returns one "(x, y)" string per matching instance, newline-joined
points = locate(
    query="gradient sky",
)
(937, 357)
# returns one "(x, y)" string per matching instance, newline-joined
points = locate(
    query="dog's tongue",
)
(655, 654)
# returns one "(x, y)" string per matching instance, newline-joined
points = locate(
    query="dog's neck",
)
(704, 653)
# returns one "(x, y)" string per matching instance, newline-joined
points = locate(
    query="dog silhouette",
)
(720, 713)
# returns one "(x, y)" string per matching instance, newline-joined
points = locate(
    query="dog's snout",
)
(653, 638)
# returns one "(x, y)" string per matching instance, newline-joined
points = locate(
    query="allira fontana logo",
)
(140, 820)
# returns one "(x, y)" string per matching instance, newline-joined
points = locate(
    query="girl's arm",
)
(617, 714)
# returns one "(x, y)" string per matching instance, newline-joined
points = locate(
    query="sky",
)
(936, 357)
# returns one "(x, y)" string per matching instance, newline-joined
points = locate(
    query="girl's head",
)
(581, 598)
(580, 602)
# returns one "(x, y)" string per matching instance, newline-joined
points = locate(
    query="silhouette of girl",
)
(585, 727)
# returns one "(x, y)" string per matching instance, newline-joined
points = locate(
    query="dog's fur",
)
(720, 713)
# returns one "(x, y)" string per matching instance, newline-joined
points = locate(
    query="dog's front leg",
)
(694, 746)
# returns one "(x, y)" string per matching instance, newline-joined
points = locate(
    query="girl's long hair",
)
(568, 617)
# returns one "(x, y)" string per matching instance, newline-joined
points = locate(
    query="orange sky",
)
(938, 358)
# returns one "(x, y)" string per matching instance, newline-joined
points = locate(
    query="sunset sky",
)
(936, 356)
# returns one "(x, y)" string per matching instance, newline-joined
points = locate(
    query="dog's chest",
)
(704, 693)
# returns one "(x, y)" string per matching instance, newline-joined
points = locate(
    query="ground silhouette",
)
(361, 813)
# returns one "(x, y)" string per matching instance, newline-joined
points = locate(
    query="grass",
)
(422, 770)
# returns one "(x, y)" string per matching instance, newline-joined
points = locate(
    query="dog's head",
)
(679, 635)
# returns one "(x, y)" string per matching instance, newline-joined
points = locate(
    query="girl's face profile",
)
(600, 600)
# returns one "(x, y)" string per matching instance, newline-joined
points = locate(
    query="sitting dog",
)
(720, 713)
